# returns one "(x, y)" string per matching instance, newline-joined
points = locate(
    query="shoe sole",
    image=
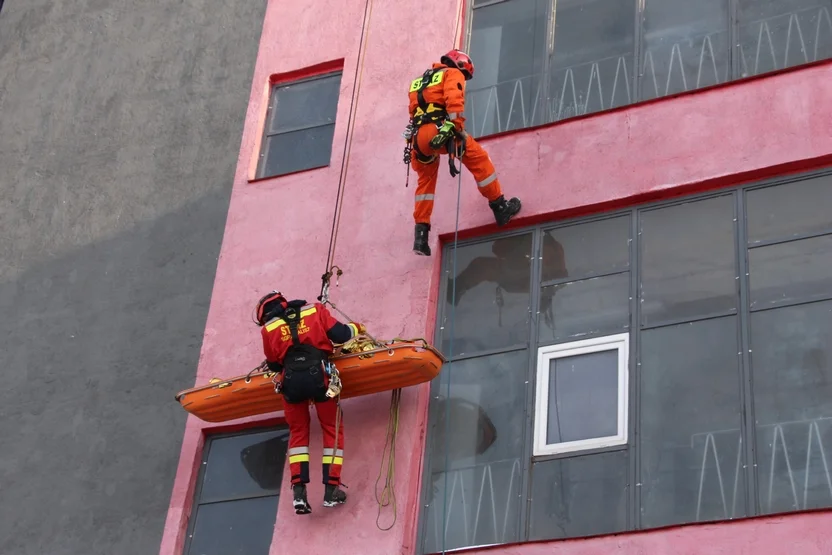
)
(334, 503)
(420, 253)
(302, 509)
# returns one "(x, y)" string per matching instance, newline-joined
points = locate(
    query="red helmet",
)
(261, 316)
(461, 61)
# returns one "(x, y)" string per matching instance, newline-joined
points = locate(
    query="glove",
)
(445, 133)
(460, 144)
(361, 328)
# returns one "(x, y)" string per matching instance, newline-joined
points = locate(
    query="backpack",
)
(303, 368)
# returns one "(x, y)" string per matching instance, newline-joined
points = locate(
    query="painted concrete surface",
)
(278, 229)
(121, 124)
(806, 534)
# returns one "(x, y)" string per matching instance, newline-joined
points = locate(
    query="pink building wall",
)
(277, 234)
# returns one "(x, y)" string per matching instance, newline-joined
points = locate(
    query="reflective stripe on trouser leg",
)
(299, 464)
(478, 162)
(331, 466)
(425, 190)
(331, 460)
(297, 417)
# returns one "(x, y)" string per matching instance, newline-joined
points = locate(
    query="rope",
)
(388, 493)
(339, 198)
(452, 323)
(345, 158)
(450, 363)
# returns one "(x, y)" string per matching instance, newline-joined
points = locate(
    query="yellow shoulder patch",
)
(435, 80)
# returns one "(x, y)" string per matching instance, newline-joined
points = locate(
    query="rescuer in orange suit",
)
(437, 126)
(297, 340)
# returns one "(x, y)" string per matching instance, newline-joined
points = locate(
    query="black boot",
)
(299, 502)
(334, 496)
(504, 209)
(420, 243)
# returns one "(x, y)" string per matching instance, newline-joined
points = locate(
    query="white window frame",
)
(620, 343)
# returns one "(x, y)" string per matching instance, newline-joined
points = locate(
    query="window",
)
(299, 125)
(581, 395)
(661, 365)
(541, 61)
(239, 482)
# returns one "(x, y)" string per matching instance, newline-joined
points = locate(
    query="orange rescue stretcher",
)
(364, 368)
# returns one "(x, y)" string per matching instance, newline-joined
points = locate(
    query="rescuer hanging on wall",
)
(297, 340)
(437, 100)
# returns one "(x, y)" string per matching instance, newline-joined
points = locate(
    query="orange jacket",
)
(447, 89)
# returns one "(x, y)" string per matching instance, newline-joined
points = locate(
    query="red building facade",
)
(638, 358)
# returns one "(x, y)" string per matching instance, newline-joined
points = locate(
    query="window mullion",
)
(528, 442)
(635, 334)
(637, 52)
(747, 426)
(733, 41)
(548, 55)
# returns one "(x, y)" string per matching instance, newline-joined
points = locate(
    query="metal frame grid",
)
(206, 451)
(641, 62)
(270, 115)
(746, 400)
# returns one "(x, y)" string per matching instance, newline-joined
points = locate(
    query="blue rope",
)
(450, 364)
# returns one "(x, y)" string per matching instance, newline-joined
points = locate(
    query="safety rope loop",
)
(387, 496)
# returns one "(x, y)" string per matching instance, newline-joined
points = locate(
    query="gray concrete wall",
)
(120, 125)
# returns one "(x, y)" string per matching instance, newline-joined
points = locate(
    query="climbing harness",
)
(334, 388)
(430, 114)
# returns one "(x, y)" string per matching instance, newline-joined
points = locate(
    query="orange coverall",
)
(447, 91)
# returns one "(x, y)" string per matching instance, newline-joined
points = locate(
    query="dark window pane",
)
(508, 45)
(688, 261)
(592, 65)
(234, 527)
(791, 272)
(244, 465)
(299, 150)
(484, 417)
(792, 363)
(483, 506)
(691, 463)
(305, 104)
(583, 397)
(492, 295)
(477, 430)
(586, 250)
(686, 46)
(579, 496)
(775, 34)
(789, 210)
(585, 308)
